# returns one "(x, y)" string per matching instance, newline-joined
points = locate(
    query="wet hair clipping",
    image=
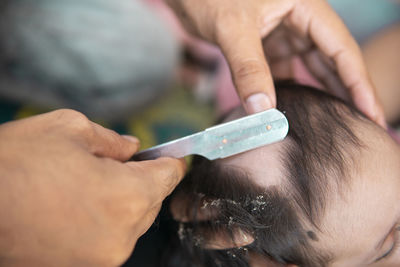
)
(226, 139)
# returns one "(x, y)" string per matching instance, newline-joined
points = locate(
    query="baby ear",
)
(223, 239)
(183, 210)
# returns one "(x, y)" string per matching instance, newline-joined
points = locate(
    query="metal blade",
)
(226, 139)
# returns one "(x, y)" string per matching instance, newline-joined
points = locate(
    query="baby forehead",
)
(319, 152)
(263, 165)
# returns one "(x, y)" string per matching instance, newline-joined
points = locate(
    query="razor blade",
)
(226, 139)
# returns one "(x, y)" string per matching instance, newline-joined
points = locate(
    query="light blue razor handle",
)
(226, 139)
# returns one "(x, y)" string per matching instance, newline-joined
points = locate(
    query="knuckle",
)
(228, 17)
(227, 21)
(249, 68)
(69, 114)
(74, 120)
(231, 22)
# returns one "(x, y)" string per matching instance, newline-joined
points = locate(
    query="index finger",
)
(94, 138)
(318, 20)
(240, 42)
(160, 176)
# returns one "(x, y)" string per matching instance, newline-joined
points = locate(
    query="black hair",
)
(283, 220)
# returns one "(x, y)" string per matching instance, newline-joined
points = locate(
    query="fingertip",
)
(133, 143)
(365, 100)
(380, 119)
(382, 122)
(250, 71)
(131, 138)
(257, 90)
(169, 173)
(184, 163)
(162, 175)
(177, 166)
(374, 112)
(258, 102)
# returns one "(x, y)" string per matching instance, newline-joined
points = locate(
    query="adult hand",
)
(238, 27)
(67, 198)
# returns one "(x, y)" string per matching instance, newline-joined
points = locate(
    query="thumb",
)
(242, 47)
(159, 177)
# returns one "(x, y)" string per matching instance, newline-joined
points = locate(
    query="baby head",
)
(325, 196)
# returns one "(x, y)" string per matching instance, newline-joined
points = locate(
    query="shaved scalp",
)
(283, 219)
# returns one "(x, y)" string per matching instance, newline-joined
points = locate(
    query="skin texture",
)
(363, 213)
(310, 30)
(383, 60)
(66, 196)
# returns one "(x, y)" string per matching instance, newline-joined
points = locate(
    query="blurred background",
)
(125, 64)
(129, 65)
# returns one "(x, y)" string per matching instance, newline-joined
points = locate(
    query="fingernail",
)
(257, 103)
(131, 138)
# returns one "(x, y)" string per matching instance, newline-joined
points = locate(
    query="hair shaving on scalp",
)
(317, 158)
